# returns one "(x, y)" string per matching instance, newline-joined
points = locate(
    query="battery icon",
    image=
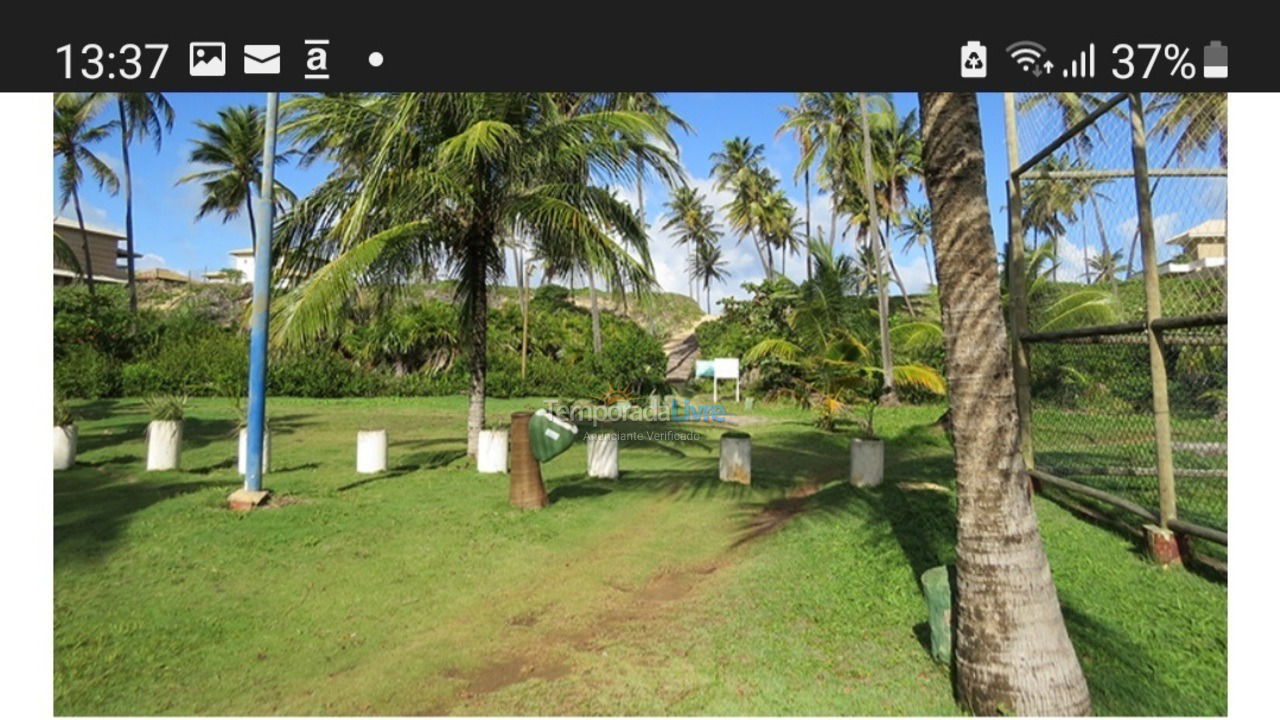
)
(1215, 60)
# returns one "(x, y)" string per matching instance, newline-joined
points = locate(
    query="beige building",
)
(106, 250)
(162, 276)
(1203, 246)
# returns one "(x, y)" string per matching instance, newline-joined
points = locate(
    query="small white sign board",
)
(726, 369)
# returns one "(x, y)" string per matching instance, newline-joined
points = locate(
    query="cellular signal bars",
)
(1082, 67)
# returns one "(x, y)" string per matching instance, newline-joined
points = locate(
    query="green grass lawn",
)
(665, 592)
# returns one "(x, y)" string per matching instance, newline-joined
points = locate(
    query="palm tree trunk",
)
(707, 286)
(693, 280)
(1012, 652)
(808, 256)
(1084, 235)
(128, 209)
(873, 226)
(764, 258)
(478, 328)
(84, 242)
(1102, 238)
(893, 267)
(596, 341)
(253, 230)
(521, 287)
(928, 265)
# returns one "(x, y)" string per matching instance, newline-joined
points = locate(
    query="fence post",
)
(1017, 274)
(1151, 281)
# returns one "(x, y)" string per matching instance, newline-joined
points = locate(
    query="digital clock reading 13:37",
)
(128, 62)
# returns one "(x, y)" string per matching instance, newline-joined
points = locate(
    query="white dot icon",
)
(375, 59)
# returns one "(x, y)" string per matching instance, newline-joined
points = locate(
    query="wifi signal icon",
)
(1027, 54)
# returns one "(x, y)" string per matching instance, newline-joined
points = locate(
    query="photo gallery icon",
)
(207, 59)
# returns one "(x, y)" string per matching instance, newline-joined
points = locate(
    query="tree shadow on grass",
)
(1123, 678)
(412, 464)
(90, 515)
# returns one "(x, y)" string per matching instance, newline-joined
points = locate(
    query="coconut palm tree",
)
(1012, 651)
(75, 129)
(440, 180)
(692, 219)
(140, 115)
(232, 151)
(917, 228)
(1073, 108)
(1049, 204)
(804, 135)
(1199, 119)
(1106, 266)
(709, 264)
(829, 368)
(776, 220)
(738, 167)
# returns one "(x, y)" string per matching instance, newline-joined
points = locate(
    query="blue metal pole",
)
(264, 219)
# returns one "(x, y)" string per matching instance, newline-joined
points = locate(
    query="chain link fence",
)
(1098, 297)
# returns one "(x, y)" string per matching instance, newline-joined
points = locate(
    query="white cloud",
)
(149, 261)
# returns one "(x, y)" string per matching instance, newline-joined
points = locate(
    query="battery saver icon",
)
(1215, 60)
(973, 60)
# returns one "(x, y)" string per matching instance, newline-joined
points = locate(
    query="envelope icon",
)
(261, 59)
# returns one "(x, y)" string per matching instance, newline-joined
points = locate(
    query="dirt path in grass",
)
(579, 650)
(632, 628)
(682, 352)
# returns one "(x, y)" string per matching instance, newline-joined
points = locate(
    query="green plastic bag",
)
(549, 435)
(937, 594)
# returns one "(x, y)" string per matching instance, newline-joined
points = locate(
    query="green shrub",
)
(85, 372)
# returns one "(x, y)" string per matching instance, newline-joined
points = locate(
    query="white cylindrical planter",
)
(735, 458)
(602, 456)
(371, 451)
(244, 451)
(64, 446)
(164, 444)
(492, 455)
(866, 462)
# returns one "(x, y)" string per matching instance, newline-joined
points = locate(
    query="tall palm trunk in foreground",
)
(873, 226)
(84, 240)
(128, 206)
(475, 265)
(1012, 652)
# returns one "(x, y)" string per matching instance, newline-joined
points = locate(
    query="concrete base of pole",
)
(735, 458)
(164, 444)
(371, 451)
(64, 446)
(242, 462)
(243, 500)
(866, 462)
(602, 456)
(1162, 545)
(491, 456)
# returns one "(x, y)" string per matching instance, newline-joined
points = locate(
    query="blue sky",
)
(168, 234)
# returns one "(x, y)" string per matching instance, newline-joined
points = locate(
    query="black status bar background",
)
(770, 56)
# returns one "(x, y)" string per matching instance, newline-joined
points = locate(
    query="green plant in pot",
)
(164, 433)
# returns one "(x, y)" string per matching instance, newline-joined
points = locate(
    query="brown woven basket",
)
(527, 490)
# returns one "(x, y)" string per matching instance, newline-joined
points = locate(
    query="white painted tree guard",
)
(735, 459)
(243, 461)
(371, 451)
(602, 456)
(492, 455)
(866, 462)
(64, 446)
(164, 444)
